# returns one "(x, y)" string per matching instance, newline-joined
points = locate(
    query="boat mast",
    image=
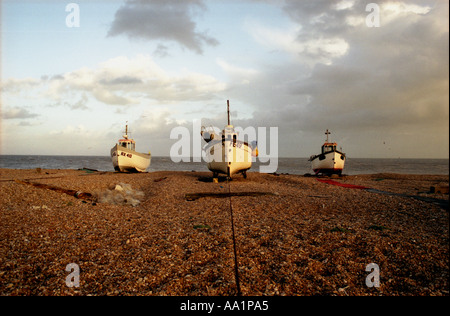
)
(327, 133)
(228, 111)
(126, 131)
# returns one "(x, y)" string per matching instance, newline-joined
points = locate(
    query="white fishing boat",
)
(330, 160)
(125, 158)
(225, 153)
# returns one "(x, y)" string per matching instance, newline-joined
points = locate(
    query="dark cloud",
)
(391, 76)
(167, 20)
(319, 17)
(124, 80)
(392, 81)
(161, 51)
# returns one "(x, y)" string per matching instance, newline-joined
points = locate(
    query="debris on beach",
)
(195, 196)
(74, 193)
(121, 194)
(159, 179)
(439, 189)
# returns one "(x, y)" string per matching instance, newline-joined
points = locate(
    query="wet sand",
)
(172, 234)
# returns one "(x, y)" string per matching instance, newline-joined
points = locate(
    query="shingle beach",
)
(171, 233)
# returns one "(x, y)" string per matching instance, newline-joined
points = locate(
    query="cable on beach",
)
(236, 266)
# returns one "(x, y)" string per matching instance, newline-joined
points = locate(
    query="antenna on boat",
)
(126, 131)
(327, 133)
(228, 111)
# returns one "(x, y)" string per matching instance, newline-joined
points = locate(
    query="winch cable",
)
(236, 266)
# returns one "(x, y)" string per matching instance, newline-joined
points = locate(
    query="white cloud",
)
(16, 86)
(391, 12)
(125, 81)
(402, 7)
(242, 75)
(76, 131)
(309, 51)
(344, 5)
(17, 113)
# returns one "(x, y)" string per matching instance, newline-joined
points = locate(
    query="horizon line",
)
(191, 157)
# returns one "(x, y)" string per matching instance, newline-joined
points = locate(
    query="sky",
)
(377, 76)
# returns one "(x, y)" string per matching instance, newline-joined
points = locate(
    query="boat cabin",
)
(228, 133)
(127, 143)
(329, 147)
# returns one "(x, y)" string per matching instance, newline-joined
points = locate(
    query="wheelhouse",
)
(328, 147)
(128, 143)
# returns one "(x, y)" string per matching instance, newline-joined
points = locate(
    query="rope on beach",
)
(442, 203)
(74, 193)
(345, 185)
(236, 267)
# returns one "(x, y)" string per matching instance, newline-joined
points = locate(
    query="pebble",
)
(285, 243)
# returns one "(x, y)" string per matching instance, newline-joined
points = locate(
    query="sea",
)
(300, 166)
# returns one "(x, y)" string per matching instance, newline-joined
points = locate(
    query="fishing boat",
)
(225, 153)
(125, 158)
(330, 160)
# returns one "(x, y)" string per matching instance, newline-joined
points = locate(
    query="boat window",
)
(328, 148)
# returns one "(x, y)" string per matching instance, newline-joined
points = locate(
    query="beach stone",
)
(284, 243)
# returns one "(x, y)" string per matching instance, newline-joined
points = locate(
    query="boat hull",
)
(328, 163)
(127, 160)
(228, 157)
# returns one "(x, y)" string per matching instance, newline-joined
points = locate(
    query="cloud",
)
(391, 80)
(396, 69)
(167, 20)
(236, 73)
(391, 76)
(80, 104)
(308, 50)
(161, 51)
(77, 131)
(13, 85)
(311, 66)
(18, 113)
(126, 81)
